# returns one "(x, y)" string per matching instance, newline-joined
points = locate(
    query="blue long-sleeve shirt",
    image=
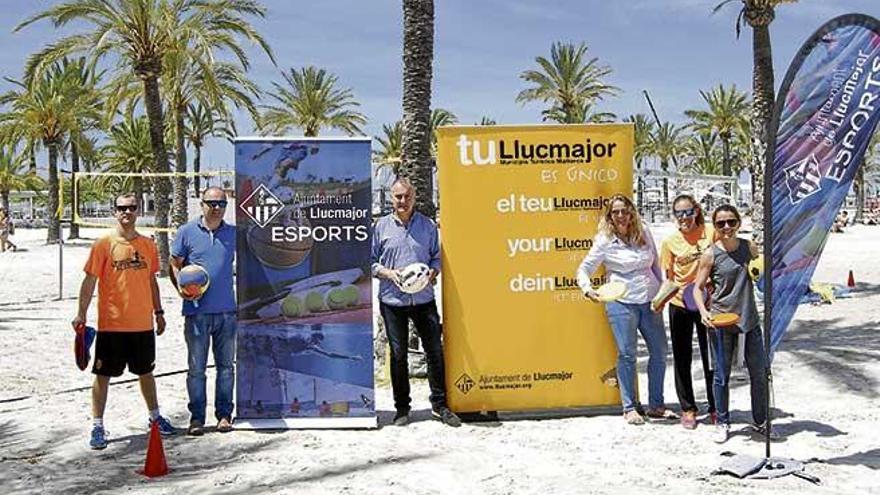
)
(396, 245)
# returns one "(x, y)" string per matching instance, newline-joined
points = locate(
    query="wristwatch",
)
(159, 312)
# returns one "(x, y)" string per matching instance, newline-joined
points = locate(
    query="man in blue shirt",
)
(209, 242)
(402, 238)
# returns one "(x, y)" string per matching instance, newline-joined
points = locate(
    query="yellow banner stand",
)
(519, 206)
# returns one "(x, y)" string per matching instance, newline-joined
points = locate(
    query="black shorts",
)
(115, 350)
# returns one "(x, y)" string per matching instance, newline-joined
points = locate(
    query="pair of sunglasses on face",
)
(215, 203)
(730, 223)
(126, 208)
(684, 213)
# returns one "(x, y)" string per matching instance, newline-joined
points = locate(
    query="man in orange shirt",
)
(124, 265)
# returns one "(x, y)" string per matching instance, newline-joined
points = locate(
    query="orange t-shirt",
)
(125, 270)
(680, 253)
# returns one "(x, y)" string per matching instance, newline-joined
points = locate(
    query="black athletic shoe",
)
(447, 417)
(401, 418)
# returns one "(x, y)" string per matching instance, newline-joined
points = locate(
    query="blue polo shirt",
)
(215, 252)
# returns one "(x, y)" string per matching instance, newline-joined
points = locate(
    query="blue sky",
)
(672, 48)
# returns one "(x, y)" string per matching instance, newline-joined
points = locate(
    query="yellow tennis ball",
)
(292, 306)
(352, 295)
(315, 301)
(336, 298)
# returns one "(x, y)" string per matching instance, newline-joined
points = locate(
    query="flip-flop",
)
(82, 345)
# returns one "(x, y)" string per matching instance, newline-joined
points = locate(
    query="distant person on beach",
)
(209, 324)
(123, 264)
(625, 246)
(7, 228)
(400, 239)
(840, 222)
(725, 265)
(679, 257)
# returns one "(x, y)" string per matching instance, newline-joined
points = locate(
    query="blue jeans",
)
(218, 329)
(725, 347)
(427, 323)
(625, 319)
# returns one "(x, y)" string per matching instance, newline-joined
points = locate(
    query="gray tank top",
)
(734, 292)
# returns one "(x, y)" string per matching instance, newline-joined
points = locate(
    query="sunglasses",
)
(126, 208)
(730, 223)
(619, 212)
(215, 203)
(684, 213)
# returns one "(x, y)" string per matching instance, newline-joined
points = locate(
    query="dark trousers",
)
(681, 326)
(427, 323)
(725, 349)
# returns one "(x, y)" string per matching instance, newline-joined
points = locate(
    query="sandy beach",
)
(827, 406)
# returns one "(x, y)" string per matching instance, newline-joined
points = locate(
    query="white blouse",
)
(638, 267)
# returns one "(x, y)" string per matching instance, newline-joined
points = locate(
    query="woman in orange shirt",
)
(679, 256)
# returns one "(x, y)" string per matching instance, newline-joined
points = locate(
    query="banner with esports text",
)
(826, 112)
(305, 331)
(519, 206)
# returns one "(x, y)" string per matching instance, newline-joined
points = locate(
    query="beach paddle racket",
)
(82, 345)
(611, 291)
(667, 291)
(722, 320)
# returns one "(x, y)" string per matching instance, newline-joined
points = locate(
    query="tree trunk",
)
(860, 194)
(762, 110)
(162, 190)
(32, 158)
(4, 202)
(52, 203)
(197, 167)
(74, 199)
(418, 57)
(179, 211)
(725, 165)
(664, 165)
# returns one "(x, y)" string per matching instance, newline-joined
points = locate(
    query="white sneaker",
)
(722, 431)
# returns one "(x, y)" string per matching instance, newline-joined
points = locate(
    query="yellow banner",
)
(519, 207)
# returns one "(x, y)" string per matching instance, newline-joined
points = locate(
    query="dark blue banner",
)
(305, 332)
(826, 111)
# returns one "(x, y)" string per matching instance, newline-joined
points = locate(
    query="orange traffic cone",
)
(850, 281)
(155, 465)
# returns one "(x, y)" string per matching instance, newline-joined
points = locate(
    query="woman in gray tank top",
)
(724, 267)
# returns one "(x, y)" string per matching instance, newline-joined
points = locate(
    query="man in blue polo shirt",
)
(209, 242)
(404, 237)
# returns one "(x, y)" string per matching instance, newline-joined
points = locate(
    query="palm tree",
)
(867, 169)
(44, 111)
(703, 156)
(569, 82)
(129, 150)
(643, 128)
(484, 120)
(202, 124)
(666, 145)
(86, 100)
(418, 62)
(311, 101)
(726, 114)
(14, 175)
(439, 118)
(140, 33)
(391, 142)
(759, 14)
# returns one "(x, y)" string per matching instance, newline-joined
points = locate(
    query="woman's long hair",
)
(633, 235)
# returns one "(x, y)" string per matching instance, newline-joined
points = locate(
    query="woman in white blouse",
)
(627, 250)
